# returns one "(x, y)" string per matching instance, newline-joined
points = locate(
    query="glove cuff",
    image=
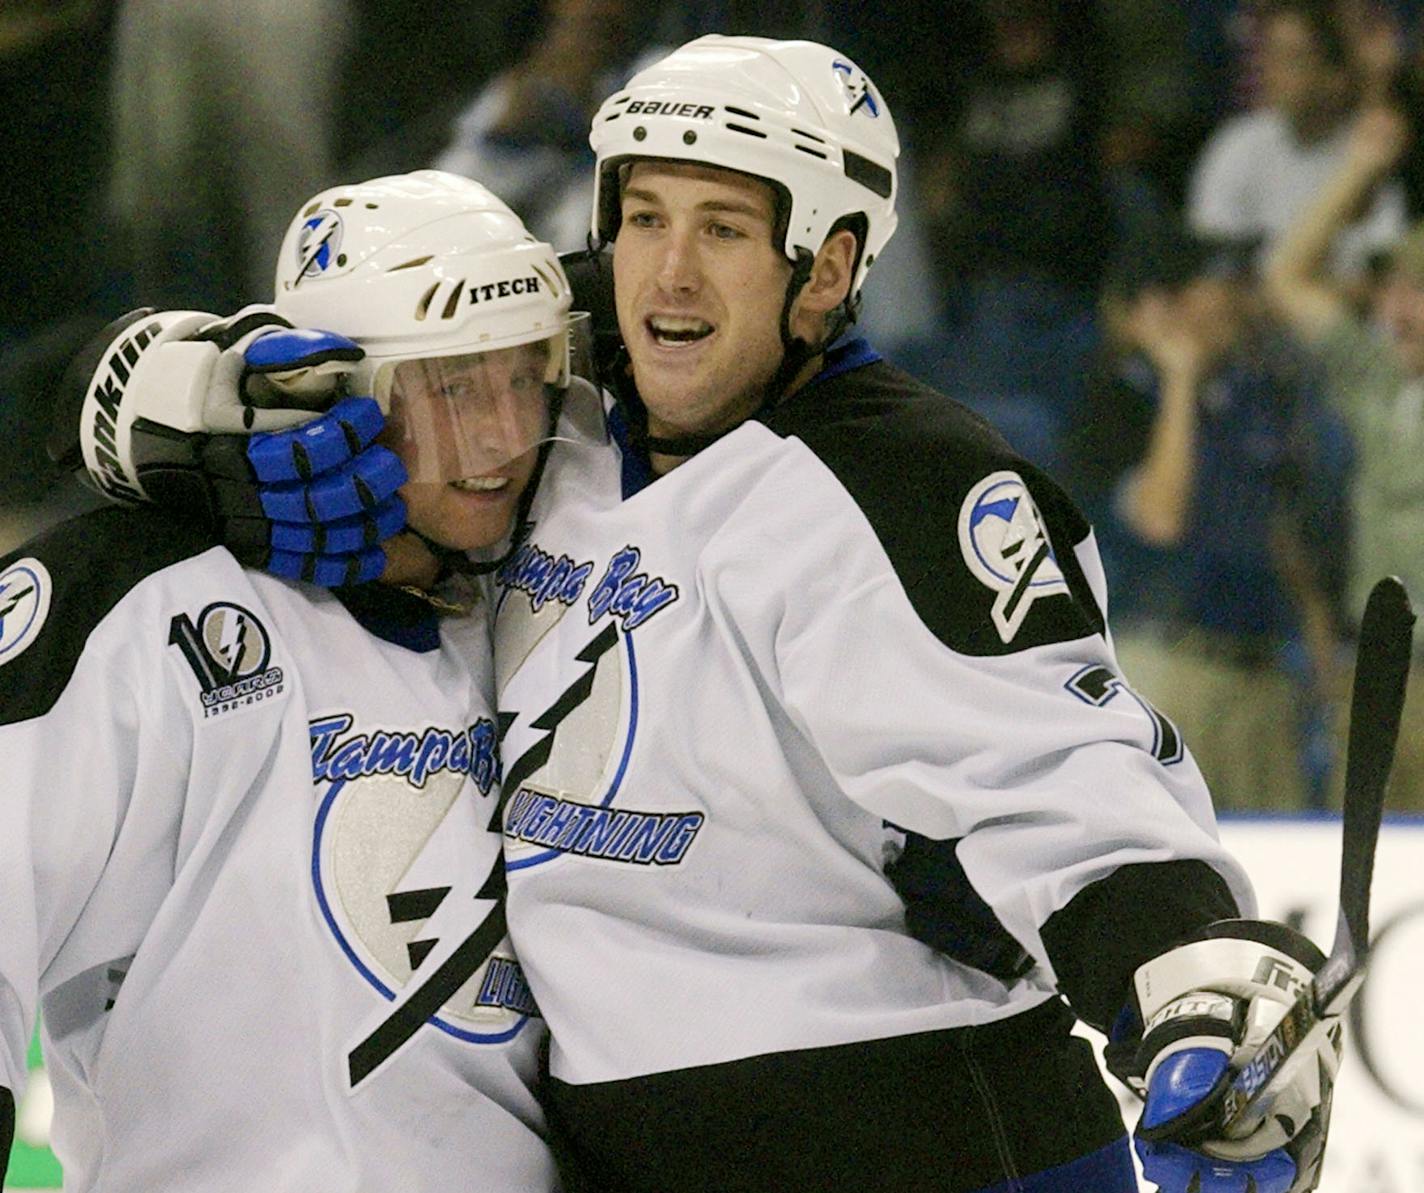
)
(1281, 937)
(1242, 958)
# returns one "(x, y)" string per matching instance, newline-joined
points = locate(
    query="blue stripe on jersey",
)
(1108, 1170)
(392, 615)
(842, 357)
(845, 355)
(637, 469)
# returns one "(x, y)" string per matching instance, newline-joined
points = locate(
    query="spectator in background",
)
(1194, 460)
(1221, 35)
(1375, 33)
(223, 114)
(525, 134)
(55, 144)
(1393, 38)
(1159, 102)
(1033, 153)
(1015, 220)
(54, 243)
(1016, 185)
(1259, 169)
(1374, 369)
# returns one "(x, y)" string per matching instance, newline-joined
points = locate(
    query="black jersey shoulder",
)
(86, 567)
(919, 464)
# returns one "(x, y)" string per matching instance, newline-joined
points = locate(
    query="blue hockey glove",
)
(244, 424)
(1200, 1012)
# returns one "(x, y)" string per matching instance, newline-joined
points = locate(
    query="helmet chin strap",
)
(795, 354)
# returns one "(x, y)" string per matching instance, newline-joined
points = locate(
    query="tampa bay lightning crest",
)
(318, 244)
(1006, 547)
(24, 605)
(408, 878)
(566, 758)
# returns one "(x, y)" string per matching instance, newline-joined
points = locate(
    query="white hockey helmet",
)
(796, 114)
(418, 268)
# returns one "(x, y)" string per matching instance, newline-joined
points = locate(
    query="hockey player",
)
(246, 858)
(825, 801)
(856, 795)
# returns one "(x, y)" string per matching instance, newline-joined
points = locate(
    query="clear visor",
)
(453, 418)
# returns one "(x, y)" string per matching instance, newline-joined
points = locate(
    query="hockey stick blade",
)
(1376, 702)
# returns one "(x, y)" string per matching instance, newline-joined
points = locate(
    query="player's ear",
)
(826, 288)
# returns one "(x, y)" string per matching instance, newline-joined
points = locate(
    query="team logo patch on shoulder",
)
(1006, 547)
(25, 590)
(230, 653)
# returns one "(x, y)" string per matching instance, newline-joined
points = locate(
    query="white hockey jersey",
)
(740, 700)
(249, 865)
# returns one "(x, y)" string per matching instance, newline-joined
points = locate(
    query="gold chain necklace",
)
(440, 604)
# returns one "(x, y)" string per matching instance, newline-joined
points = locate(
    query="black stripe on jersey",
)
(933, 1112)
(908, 456)
(7, 1129)
(426, 1000)
(407, 906)
(943, 909)
(1113, 925)
(93, 562)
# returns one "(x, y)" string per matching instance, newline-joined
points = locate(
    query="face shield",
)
(452, 418)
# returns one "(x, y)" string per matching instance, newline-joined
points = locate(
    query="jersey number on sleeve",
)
(1098, 686)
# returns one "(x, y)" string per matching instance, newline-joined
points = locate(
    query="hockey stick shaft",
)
(1376, 704)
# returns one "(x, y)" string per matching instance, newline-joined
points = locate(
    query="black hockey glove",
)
(244, 424)
(1200, 1012)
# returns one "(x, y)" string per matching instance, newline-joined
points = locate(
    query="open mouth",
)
(480, 484)
(672, 332)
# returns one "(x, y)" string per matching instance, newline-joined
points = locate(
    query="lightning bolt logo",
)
(548, 722)
(232, 642)
(1006, 547)
(227, 644)
(444, 917)
(407, 907)
(318, 244)
(857, 88)
(9, 604)
(25, 589)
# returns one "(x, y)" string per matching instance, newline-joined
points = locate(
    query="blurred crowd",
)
(1174, 249)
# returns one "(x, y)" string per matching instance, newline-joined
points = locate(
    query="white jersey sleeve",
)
(950, 661)
(1055, 773)
(93, 770)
